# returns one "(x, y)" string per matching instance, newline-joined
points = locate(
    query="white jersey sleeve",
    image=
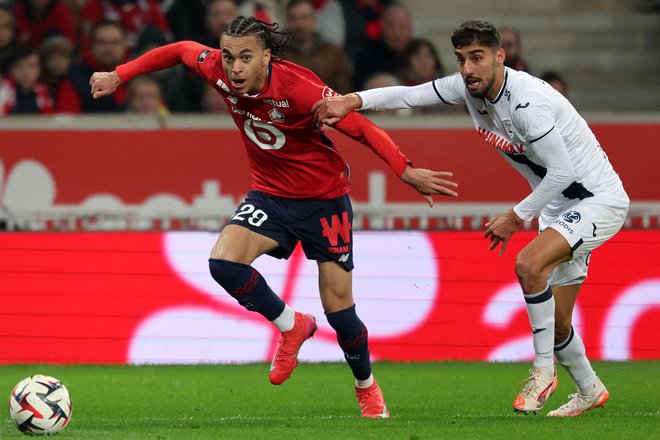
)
(551, 149)
(534, 118)
(447, 90)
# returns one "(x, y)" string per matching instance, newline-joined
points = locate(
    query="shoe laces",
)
(534, 383)
(576, 401)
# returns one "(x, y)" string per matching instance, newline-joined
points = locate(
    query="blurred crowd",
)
(50, 48)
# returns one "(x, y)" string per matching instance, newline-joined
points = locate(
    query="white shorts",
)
(585, 226)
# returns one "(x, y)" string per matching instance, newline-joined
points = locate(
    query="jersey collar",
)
(499, 95)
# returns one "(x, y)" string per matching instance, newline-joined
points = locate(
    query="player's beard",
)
(483, 92)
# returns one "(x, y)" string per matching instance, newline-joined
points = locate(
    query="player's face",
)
(482, 69)
(245, 61)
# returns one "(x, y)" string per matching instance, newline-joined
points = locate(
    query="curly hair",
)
(476, 32)
(267, 33)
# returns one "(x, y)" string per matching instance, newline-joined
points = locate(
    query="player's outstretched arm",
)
(331, 110)
(163, 57)
(429, 183)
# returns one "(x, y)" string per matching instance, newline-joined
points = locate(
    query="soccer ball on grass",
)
(40, 405)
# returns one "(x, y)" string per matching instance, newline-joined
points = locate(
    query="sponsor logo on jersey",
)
(275, 103)
(276, 116)
(223, 86)
(566, 226)
(500, 143)
(202, 56)
(233, 99)
(525, 105)
(572, 216)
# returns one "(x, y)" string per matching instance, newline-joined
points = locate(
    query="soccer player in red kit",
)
(300, 187)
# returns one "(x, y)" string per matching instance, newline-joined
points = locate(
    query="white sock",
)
(541, 313)
(572, 355)
(285, 321)
(365, 383)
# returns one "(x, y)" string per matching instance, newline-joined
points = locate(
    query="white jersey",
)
(569, 168)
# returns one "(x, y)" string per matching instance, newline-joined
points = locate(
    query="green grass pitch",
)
(446, 400)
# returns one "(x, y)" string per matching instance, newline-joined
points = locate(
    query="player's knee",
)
(525, 269)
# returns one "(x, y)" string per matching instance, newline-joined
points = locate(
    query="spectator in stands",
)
(173, 84)
(331, 21)
(265, 10)
(421, 63)
(218, 15)
(309, 50)
(384, 79)
(185, 17)
(144, 97)
(56, 54)
(512, 45)
(108, 49)
(134, 15)
(363, 20)
(8, 37)
(22, 91)
(386, 54)
(557, 81)
(37, 19)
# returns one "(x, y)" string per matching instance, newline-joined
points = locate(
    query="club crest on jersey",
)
(202, 56)
(508, 127)
(276, 116)
(328, 92)
(572, 216)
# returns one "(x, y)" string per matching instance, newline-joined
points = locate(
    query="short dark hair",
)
(22, 52)
(293, 3)
(267, 33)
(476, 32)
(107, 23)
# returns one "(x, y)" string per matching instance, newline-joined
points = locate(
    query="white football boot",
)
(535, 392)
(579, 403)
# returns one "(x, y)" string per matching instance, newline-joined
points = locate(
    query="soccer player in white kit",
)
(578, 196)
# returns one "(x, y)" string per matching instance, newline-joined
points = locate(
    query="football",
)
(40, 405)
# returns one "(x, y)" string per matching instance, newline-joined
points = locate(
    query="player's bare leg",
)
(336, 288)
(230, 265)
(533, 265)
(570, 353)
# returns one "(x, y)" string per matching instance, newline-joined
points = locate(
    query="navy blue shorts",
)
(324, 227)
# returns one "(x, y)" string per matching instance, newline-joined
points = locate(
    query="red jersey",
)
(58, 19)
(290, 155)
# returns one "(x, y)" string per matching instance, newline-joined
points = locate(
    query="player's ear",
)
(266, 57)
(500, 55)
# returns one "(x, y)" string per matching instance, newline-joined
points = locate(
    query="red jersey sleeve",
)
(186, 52)
(354, 125)
(361, 129)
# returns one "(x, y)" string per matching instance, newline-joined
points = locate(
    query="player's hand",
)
(331, 110)
(429, 183)
(501, 228)
(104, 83)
